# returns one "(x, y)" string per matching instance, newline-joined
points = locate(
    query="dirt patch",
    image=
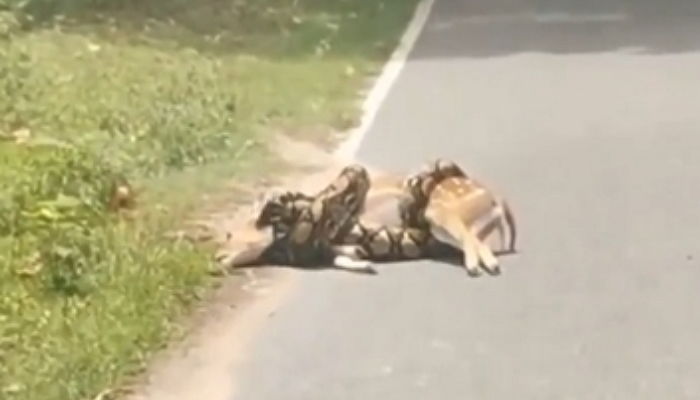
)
(200, 366)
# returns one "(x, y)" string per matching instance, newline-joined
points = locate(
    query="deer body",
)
(463, 213)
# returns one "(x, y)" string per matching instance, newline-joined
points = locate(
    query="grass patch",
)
(93, 90)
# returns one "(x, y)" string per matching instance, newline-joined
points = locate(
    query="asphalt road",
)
(590, 123)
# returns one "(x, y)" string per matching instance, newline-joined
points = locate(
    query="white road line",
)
(348, 149)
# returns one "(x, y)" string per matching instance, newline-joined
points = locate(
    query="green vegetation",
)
(93, 90)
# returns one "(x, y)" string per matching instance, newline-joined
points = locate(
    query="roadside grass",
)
(177, 97)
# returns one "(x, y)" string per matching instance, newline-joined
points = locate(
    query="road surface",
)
(588, 119)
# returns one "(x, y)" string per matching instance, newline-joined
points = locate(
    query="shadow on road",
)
(506, 27)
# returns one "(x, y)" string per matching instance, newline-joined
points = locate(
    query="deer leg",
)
(488, 259)
(347, 258)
